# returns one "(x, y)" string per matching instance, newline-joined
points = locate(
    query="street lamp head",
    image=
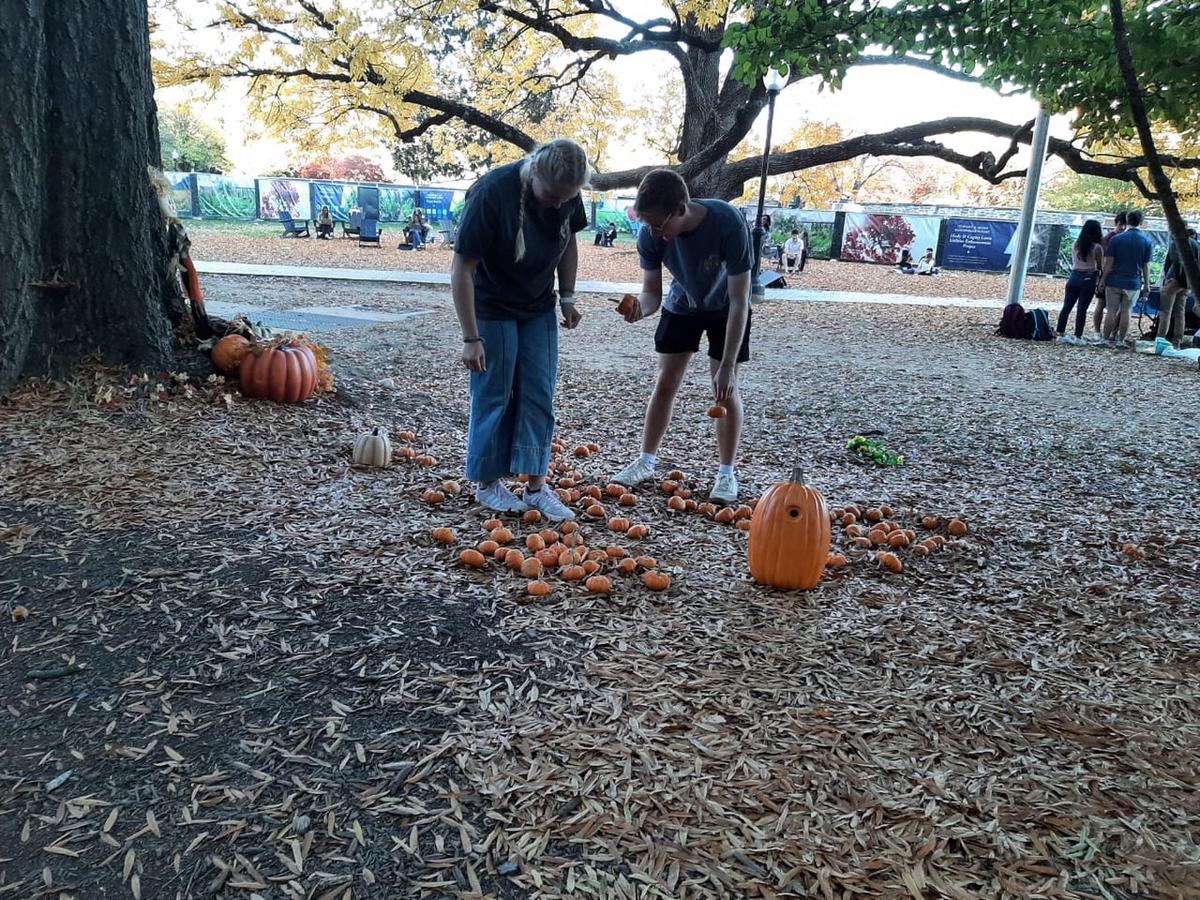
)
(775, 78)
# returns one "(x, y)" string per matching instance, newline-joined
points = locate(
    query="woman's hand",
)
(570, 315)
(473, 356)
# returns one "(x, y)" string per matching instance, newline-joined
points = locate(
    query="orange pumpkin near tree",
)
(790, 536)
(228, 353)
(284, 374)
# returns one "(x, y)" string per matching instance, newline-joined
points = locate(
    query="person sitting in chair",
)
(925, 265)
(417, 230)
(324, 224)
(610, 235)
(793, 253)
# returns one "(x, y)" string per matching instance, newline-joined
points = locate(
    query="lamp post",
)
(774, 81)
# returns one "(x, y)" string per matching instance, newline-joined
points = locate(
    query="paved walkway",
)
(584, 287)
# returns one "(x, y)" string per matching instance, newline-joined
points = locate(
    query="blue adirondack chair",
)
(369, 232)
(353, 224)
(292, 228)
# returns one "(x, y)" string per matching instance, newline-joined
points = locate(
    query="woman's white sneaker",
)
(498, 497)
(548, 504)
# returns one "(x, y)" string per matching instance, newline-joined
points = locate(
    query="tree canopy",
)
(478, 83)
(188, 144)
(346, 168)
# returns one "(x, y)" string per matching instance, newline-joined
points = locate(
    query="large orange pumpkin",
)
(228, 353)
(789, 536)
(285, 374)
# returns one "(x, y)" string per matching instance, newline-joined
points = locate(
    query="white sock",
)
(486, 485)
(725, 470)
(649, 459)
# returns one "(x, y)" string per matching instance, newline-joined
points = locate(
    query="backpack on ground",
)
(1040, 322)
(1015, 322)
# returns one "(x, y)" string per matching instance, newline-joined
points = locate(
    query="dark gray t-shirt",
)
(505, 288)
(701, 261)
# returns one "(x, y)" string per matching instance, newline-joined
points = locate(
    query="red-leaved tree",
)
(347, 168)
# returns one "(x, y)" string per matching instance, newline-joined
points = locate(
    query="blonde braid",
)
(561, 162)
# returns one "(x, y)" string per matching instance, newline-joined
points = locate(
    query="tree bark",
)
(83, 261)
(1158, 175)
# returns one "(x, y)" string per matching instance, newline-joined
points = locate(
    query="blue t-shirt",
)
(701, 261)
(505, 288)
(1130, 250)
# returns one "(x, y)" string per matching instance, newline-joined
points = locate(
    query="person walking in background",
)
(1087, 257)
(1126, 276)
(1172, 299)
(1098, 315)
(517, 232)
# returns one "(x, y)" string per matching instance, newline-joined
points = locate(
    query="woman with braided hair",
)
(517, 232)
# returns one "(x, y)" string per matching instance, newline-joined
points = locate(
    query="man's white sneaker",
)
(498, 497)
(725, 490)
(634, 474)
(548, 504)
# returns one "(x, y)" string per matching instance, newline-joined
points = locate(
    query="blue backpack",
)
(1041, 326)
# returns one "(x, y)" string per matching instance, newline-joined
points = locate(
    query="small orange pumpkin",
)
(432, 496)
(637, 532)
(690, 505)
(676, 475)
(593, 492)
(677, 503)
(612, 551)
(614, 489)
(425, 460)
(595, 511)
(499, 553)
(930, 522)
(628, 500)
(514, 559)
(530, 516)
(590, 567)
(647, 562)
(492, 524)
(444, 535)
(670, 487)
(708, 510)
(502, 535)
(488, 547)
(548, 558)
(789, 536)
(627, 566)
(618, 524)
(532, 568)
(724, 516)
(836, 561)
(717, 412)
(598, 584)
(569, 527)
(472, 558)
(228, 353)
(573, 573)
(535, 543)
(537, 589)
(898, 539)
(451, 488)
(656, 581)
(957, 527)
(890, 561)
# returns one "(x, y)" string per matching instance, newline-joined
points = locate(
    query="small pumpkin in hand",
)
(789, 536)
(717, 411)
(371, 448)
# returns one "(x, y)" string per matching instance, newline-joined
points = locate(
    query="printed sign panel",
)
(978, 244)
(879, 238)
(283, 195)
(225, 197)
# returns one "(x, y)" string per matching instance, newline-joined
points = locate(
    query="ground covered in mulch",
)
(247, 670)
(261, 244)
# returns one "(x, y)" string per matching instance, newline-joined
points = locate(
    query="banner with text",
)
(980, 244)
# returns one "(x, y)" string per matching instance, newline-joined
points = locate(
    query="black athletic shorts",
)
(681, 334)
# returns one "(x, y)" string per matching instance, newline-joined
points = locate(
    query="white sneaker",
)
(499, 498)
(634, 473)
(547, 502)
(725, 490)
(1066, 339)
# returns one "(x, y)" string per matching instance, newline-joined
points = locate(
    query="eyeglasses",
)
(662, 226)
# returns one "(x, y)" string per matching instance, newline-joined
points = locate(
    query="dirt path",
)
(255, 663)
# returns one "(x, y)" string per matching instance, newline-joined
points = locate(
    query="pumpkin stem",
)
(797, 475)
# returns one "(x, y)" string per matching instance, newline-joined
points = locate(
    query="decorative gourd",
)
(618, 524)
(228, 353)
(598, 584)
(451, 488)
(502, 535)
(488, 547)
(628, 500)
(537, 589)
(535, 542)
(789, 536)
(637, 532)
(473, 559)
(573, 573)
(532, 568)
(283, 374)
(656, 581)
(716, 412)
(432, 496)
(627, 566)
(444, 535)
(530, 516)
(957, 527)
(372, 448)
(723, 516)
(514, 559)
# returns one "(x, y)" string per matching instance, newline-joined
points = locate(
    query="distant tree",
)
(346, 168)
(188, 144)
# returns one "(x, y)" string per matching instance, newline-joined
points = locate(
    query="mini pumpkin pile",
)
(873, 532)
(549, 552)
(678, 490)
(283, 370)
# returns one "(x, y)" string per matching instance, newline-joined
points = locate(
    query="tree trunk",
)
(1158, 175)
(78, 117)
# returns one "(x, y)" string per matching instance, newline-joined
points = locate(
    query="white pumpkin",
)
(372, 448)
